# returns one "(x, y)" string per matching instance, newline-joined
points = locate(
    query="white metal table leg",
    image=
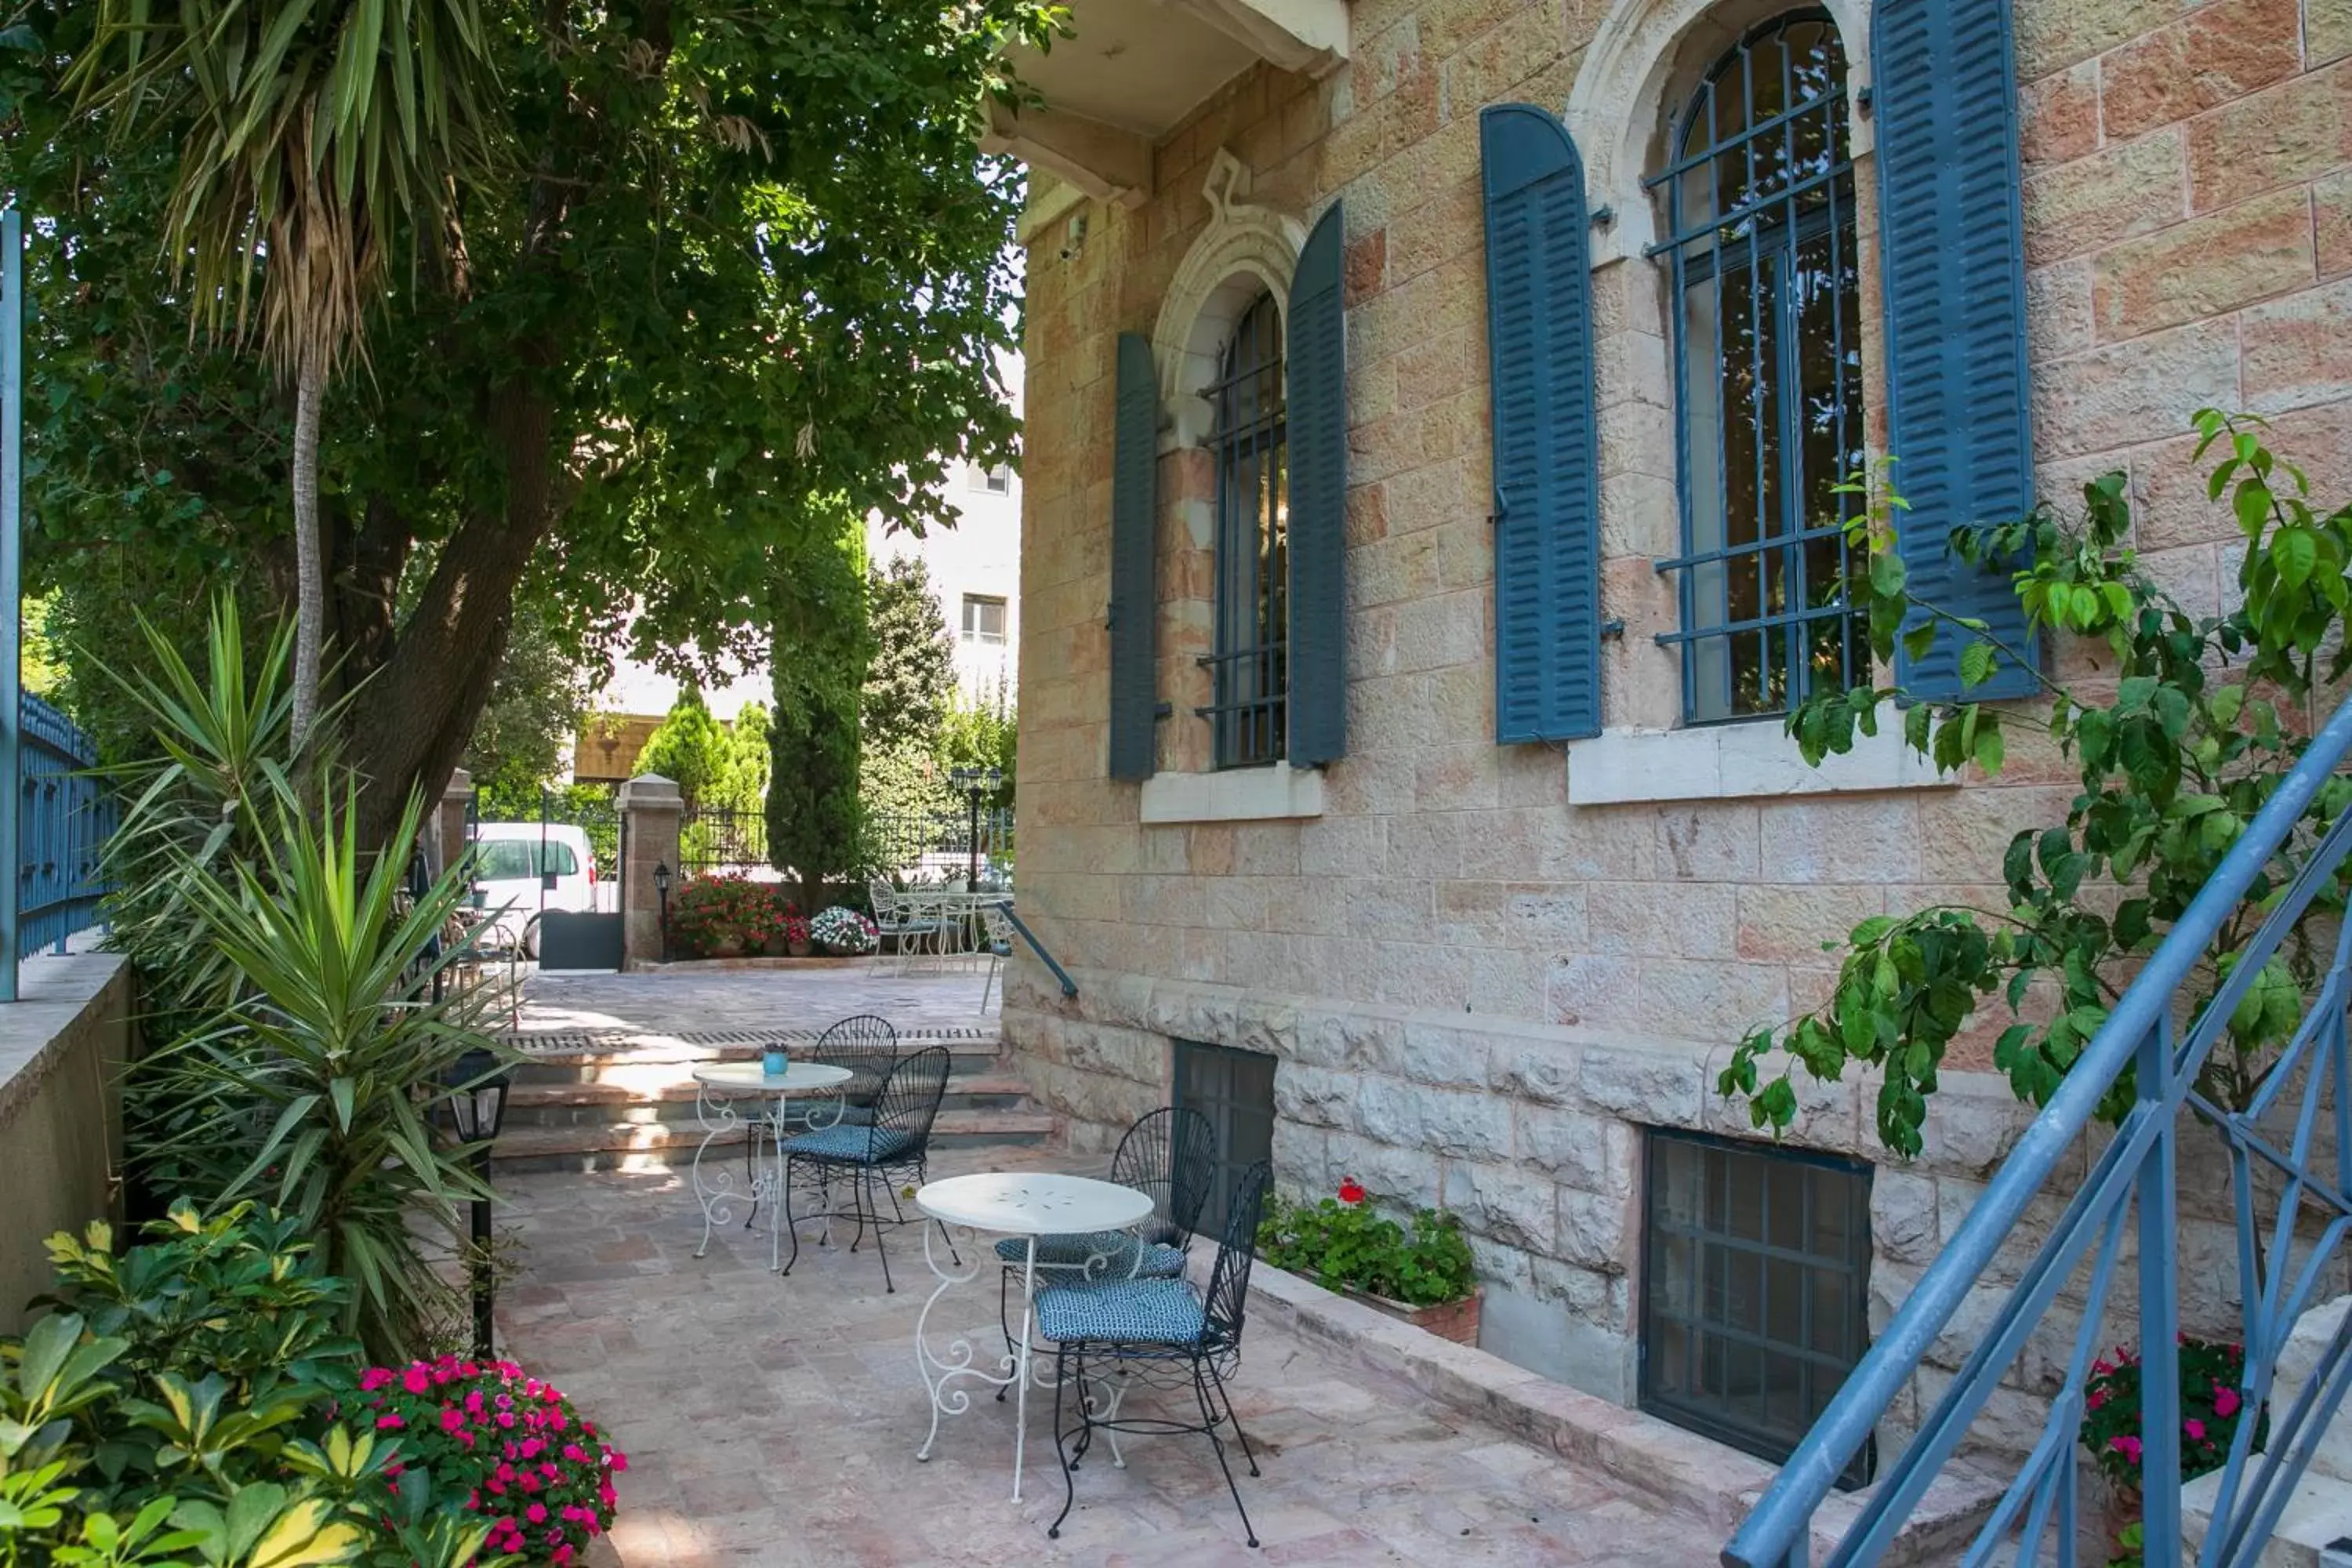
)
(716, 1194)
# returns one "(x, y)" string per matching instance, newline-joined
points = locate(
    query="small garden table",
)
(1023, 1204)
(716, 1089)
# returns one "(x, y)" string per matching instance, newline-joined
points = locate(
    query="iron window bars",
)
(1768, 374)
(1250, 662)
(1755, 1288)
(1233, 1089)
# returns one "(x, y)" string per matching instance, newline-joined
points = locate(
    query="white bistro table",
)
(717, 1088)
(1022, 1203)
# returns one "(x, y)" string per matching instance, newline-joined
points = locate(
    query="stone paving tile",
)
(686, 999)
(771, 1422)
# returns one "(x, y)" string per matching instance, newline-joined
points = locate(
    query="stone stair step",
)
(659, 1145)
(642, 1061)
(673, 1101)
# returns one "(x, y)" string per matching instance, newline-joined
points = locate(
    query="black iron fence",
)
(938, 843)
(714, 838)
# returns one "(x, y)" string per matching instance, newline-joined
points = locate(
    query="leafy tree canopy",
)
(687, 748)
(749, 257)
(2188, 726)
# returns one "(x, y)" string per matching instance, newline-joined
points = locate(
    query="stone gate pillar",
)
(650, 808)
(449, 833)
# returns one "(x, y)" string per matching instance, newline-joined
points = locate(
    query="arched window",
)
(1767, 370)
(1252, 626)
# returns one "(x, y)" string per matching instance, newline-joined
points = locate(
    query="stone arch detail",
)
(1645, 56)
(1246, 248)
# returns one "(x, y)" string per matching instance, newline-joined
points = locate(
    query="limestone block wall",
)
(63, 1050)
(1477, 989)
(1534, 1134)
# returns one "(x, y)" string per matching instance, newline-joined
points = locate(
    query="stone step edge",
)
(531, 1094)
(1665, 1463)
(655, 1053)
(663, 1137)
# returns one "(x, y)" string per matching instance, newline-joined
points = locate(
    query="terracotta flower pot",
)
(726, 947)
(800, 947)
(1455, 1320)
(774, 947)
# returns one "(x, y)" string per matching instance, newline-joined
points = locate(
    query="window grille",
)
(1755, 1288)
(1768, 374)
(1234, 1089)
(1248, 709)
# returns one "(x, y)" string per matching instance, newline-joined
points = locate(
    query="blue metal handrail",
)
(2137, 1164)
(1069, 986)
(64, 819)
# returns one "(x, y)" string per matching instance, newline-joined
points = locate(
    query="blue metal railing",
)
(2281, 1265)
(1069, 986)
(63, 820)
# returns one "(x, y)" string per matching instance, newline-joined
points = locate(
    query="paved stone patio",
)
(707, 997)
(772, 1422)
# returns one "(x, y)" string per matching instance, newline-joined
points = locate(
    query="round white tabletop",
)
(1034, 1202)
(800, 1078)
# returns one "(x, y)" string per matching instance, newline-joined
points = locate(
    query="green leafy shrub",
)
(2212, 1402)
(2186, 729)
(180, 1409)
(303, 1053)
(1346, 1243)
(711, 911)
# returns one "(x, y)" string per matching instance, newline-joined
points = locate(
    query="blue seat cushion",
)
(1126, 1312)
(1064, 1254)
(854, 1145)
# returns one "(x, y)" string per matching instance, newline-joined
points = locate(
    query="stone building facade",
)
(1489, 974)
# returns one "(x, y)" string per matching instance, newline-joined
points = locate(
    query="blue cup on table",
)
(772, 1064)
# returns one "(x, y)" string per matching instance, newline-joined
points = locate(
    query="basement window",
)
(1234, 1089)
(1755, 1290)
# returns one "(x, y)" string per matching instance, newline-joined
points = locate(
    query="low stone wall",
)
(1533, 1134)
(63, 1049)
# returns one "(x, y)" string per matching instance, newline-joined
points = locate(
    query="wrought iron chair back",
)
(866, 1044)
(1170, 1153)
(1227, 1298)
(910, 1104)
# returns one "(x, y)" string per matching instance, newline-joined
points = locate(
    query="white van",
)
(523, 868)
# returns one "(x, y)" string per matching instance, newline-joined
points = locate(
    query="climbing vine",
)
(2180, 730)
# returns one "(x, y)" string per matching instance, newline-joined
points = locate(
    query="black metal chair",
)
(868, 1044)
(1170, 1153)
(1156, 1334)
(874, 1157)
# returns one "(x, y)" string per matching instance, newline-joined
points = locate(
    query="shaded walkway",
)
(774, 1422)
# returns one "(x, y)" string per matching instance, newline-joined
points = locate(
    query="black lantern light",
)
(975, 782)
(477, 1102)
(661, 891)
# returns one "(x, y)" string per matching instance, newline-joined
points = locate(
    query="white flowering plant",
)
(843, 930)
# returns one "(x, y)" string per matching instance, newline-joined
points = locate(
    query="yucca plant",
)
(334, 1057)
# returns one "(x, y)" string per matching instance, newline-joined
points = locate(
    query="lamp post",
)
(661, 890)
(477, 1105)
(974, 782)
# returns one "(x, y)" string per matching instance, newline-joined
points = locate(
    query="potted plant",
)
(1424, 1276)
(722, 916)
(843, 930)
(2213, 1403)
(796, 934)
(776, 925)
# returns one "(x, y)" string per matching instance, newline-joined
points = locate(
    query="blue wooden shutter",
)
(1959, 403)
(1317, 413)
(1546, 446)
(1134, 592)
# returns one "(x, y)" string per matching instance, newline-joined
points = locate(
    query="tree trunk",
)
(309, 566)
(422, 704)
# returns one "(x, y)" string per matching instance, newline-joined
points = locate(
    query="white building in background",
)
(975, 572)
(975, 567)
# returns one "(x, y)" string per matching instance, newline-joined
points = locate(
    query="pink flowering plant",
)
(507, 1445)
(2213, 1403)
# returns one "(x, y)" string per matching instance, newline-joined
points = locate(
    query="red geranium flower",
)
(1352, 1191)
